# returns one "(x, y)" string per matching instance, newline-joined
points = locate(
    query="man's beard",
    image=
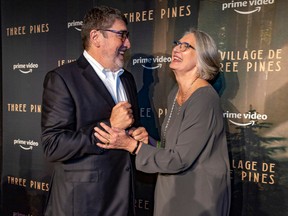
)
(118, 64)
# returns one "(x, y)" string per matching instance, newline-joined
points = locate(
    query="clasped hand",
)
(116, 138)
(122, 115)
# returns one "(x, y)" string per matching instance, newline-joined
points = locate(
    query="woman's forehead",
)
(188, 38)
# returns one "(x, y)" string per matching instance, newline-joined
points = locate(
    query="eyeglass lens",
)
(182, 45)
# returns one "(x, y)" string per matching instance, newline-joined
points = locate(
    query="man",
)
(89, 180)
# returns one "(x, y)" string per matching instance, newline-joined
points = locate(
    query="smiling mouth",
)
(177, 59)
(122, 52)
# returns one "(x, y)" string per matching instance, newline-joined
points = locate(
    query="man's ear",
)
(94, 37)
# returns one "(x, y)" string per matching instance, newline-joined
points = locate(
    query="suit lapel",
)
(96, 83)
(126, 86)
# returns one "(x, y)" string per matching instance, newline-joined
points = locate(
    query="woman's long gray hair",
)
(208, 57)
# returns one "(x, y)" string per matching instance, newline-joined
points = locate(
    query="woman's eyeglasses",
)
(183, 46)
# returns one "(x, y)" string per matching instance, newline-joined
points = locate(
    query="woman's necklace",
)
(168, 121)
(183, 97)
(172, 109)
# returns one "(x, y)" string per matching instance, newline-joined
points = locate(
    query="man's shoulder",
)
(71, 67)
(67, 67)
(81, 62)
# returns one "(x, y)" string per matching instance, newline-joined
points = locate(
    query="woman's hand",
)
(114, 138)
(139, 134)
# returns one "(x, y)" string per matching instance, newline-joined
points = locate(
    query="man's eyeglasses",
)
(122, 34)
(183, 46)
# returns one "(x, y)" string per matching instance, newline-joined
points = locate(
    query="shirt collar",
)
(99, 68)
(108, 72)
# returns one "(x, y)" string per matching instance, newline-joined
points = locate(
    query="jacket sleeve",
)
(61, 140)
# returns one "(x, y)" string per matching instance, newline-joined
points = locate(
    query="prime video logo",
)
(151, 62)
(25, 68)
(240, 6)
(76, 24)
(25, 144)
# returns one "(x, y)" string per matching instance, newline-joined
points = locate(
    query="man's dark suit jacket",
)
(87, 180)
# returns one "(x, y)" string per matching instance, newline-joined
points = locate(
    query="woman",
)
(193, 165)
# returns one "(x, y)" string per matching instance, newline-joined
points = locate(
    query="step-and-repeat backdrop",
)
(252, 37)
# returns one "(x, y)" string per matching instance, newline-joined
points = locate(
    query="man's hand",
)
(122, 115)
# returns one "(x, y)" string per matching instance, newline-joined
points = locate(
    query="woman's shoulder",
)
(207, 90)
(205, 96)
